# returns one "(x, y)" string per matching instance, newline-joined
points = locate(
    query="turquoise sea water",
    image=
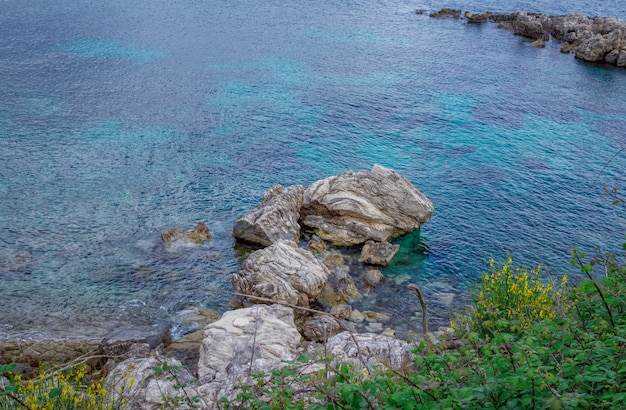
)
(119, 121)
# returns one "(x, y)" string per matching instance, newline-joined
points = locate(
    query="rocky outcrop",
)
(282, 273)
(254, 339)
(275, 218)
(198, 234)
(352, 208)
(378, 253)
(452, 13)
(597, 39)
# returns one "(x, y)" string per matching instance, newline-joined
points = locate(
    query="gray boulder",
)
(275, 218)
(258, 338)
(283, 273)
(351, 208)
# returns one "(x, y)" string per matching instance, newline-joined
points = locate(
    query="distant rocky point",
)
(593, 39)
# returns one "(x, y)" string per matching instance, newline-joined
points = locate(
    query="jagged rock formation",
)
(593, 39)
(354, 207)
(275, 218)
(283, 273)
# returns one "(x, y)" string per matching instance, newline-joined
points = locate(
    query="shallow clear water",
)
(119, 121)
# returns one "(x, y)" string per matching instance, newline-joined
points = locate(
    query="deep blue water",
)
(119, 120)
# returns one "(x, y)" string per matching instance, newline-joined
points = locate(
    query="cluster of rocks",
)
(299, 225)
(593, 39)
(242, 343)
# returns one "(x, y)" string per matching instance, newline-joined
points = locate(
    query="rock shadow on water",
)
(533, 164)
(482, 175)
(498, 115)
(614, 129)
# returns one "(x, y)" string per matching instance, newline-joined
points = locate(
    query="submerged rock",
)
(282, 273)
(339, 289)
(378, 253)
(275, 218)
(352, 208)
(198, 234)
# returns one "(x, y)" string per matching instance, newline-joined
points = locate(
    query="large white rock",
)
(258, 338)
(283, 273)
(352, 208)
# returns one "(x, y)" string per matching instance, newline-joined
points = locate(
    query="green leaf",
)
(55, 392)
(7, 368)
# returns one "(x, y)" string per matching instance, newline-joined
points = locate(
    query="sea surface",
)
(120, 120)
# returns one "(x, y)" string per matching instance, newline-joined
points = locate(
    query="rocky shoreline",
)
(292, 295)
(591, 39)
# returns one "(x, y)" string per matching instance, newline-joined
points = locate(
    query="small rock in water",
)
(374, 327)
(317, 245)
(343, 311)
(378, 253)
(198, 234)
(373, 277)
(389, 332)
(375, 316)
(357, 316)
(334, 260)
(539, 43)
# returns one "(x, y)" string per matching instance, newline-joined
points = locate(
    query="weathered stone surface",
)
(281, 272)
(339, 289)
(316, 245)
(341, 311)
(275, 218)
(351, 208)
(356, 316)
(376, 316)
(477, 18)
(369, 349)
(529, 25)
(319, 328)
(335, 261)
(598, 39)
(378, 253)
(258, 338)
(32, 353)
(147, 390)
(445, 12)
(198, 234)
